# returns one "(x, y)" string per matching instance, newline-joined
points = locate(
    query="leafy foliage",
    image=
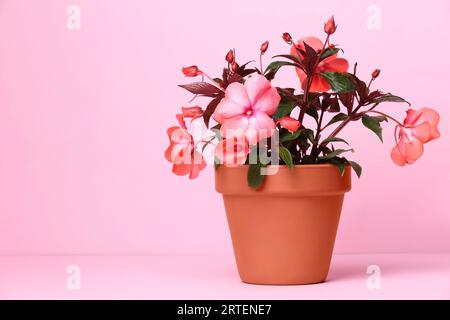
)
(350, 99)
(373, 123)
(339, 82)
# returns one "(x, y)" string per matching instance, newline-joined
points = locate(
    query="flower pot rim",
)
(305, 166)
(317, 179)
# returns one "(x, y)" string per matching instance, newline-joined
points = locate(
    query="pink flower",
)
(330, 64)
(419, 127)
(289, 123)
(248, 108)
(232, 152)
(181, 152)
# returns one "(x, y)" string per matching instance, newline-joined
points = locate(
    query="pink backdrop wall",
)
(83, 115)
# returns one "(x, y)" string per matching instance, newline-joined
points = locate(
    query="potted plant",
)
(283, 182)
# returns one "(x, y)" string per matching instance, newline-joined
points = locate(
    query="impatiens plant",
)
(246, 111)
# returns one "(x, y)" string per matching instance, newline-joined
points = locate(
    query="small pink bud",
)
(264, 47)
(230, 56)
(287, 38)
(330, 26)
(191, 71)
(234, 67)
(376, 73)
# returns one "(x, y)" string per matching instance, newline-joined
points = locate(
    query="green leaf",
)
(333, 139)
(290, 136)
(276, 65)
(329, 52)
(284, 108)
(336, 152)
(356, 167)
(338, 81)
(373, 124)
(310, 135)
(254, 176)
(340, 164)
(339, 117)
(286, 156)
(389, 98)
(313, 113)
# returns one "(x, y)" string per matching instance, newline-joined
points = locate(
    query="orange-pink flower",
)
(289, 123)
(419, 127)
(247, 108)
(181, 152)
(329, 64)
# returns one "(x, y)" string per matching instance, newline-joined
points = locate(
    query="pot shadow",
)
(390, 266)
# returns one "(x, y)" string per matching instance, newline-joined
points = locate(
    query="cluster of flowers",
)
(248, 111)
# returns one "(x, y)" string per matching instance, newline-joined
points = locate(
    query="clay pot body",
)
(284, 233)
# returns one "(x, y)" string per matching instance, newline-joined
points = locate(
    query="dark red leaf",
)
(235, 78)
(374, 94)
(310, 59)
(347, 100)
(203, 88)
(211, 108)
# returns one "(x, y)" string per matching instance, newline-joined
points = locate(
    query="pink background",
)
(83, 115)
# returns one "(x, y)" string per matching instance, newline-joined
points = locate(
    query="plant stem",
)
(260, 62)
(317, 137)
(384, 114)
(215, 83)
(309, 82)
(354, 115)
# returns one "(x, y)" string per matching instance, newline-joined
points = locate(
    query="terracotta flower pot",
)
(284, 233)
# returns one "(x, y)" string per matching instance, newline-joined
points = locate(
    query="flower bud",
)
(230, 56)
(376, 73)
(289, 123)
(287, 38)
(234, 67)
(264, 47)
(330, 26)
(192, 112)
(191, 71)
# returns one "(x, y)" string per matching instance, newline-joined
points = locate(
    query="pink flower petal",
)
(422, 132)
(227, 109)
(181, 169)
(237, 93)
(198, 164)
(235, 126)
(256, 87)
(313, 42)
(414, 118)
(397, 154)
(414, 150)
(318, 84)
(268, 101)
(232, 152)
(260, 126)
(335, 65)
